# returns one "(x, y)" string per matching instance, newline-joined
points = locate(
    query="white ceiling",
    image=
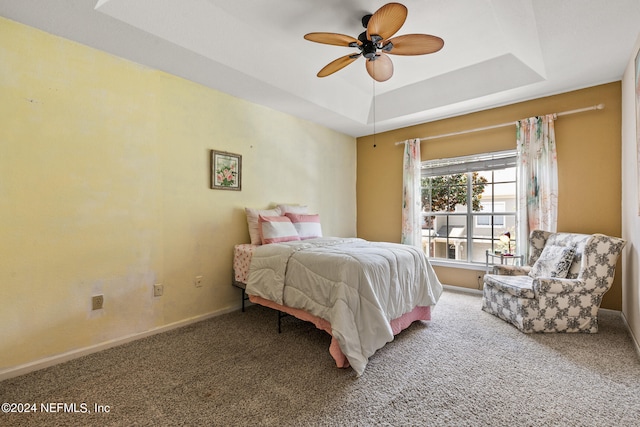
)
(496, 52)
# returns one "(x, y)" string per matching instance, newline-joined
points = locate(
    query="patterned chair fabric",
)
(555, 304)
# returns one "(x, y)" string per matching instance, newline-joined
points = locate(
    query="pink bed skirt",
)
(397, 325)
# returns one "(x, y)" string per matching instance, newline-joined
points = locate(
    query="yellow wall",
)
(104, 189)
(589, 157)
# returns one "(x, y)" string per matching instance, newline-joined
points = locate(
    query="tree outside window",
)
(443, 193)
(464, 213)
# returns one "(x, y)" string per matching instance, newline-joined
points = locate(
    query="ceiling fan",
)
(374, 43)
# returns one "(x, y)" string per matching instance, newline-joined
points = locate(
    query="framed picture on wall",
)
(226, 171)
(637, 88)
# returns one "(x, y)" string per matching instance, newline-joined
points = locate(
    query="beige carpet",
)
(464, 368)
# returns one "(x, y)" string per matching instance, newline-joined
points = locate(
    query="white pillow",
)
(554, 261)
(307, 226)
(296, 209)
(276, 229)
(252, 221)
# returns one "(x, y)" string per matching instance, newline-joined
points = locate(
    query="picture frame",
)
(226, 171)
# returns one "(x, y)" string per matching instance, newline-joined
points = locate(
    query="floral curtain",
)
(537, 171)
(411, 200)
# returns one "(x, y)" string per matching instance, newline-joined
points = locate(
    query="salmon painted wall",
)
(589, 163)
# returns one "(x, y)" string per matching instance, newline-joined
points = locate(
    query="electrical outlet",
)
(97, 301)
(158, 290)
(198, 282)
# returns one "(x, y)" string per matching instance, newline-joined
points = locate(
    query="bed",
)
(362, 293)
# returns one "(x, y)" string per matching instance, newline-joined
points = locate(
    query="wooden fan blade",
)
(415, 44)
(381, 69)
(331, 38)
(387, 20)
(337, 65)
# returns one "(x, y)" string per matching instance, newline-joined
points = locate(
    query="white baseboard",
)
(633, 337)
(75, 354)
(462, 289)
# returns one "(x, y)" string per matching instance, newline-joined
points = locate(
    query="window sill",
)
(457, 264)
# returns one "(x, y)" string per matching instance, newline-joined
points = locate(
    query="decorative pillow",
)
(296, 209)
(554, 261)
(252, 221)
(275, 229)
(307, 226)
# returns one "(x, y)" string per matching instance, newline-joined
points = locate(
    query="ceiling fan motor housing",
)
(369, 47)
(365, 20)
(369, 50)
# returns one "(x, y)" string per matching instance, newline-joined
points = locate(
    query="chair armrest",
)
(511, 270)
(553, 285)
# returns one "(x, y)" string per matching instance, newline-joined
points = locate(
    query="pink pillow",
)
(252, 221)
(275, 229)
(307, 226)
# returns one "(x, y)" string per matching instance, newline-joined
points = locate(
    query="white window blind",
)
(479, 162)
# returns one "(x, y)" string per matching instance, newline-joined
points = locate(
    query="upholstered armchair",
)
(560, 289)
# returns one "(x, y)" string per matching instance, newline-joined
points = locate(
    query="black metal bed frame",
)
(243, 287)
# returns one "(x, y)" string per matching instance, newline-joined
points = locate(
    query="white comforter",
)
(356, 285)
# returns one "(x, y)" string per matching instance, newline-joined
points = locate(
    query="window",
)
(467, 204)
(485, 220)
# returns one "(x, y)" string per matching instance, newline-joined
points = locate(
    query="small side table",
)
(504, 259)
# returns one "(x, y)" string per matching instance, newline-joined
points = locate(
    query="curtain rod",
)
(462, 132)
